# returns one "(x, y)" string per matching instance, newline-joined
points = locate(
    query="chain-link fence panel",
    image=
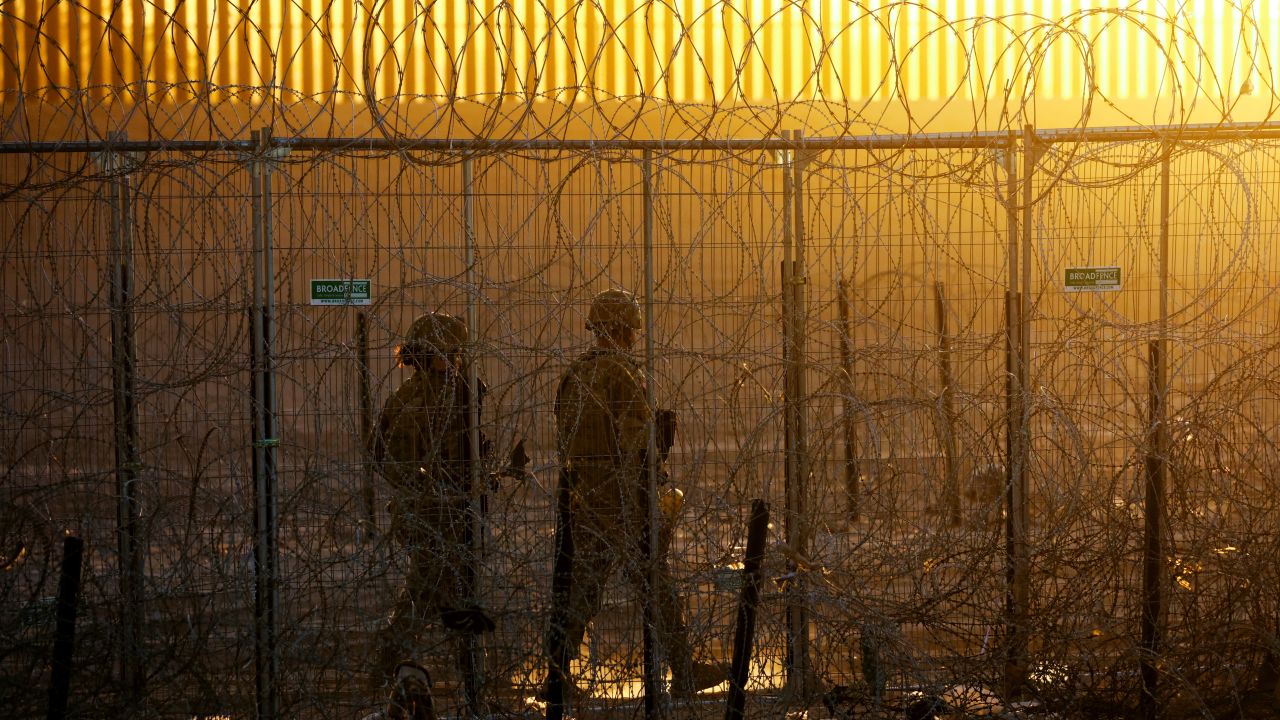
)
(957, 437)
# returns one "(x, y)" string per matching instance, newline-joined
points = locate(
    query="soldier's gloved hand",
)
(470, 619)
(671, 502)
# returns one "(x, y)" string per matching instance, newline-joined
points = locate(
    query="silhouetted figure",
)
(421, 445)
(603, 421)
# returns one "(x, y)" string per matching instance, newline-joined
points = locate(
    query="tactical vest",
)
(601, 410)
(424, 435)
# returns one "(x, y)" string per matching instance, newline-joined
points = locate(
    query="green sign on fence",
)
(1093, 279)
(340, 292)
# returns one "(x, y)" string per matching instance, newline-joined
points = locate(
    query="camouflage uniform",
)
(421, 446)
(602, 422)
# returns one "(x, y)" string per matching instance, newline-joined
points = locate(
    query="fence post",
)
(366, 421)
(799, 674)
(1165, 210)
(951, 489)
(851, 485)
(653, 653)
(1017, 593)
(1153, 595)
(1030, 156)
(65, 633)
(127, 457)
(1018, 516)
(265, 435)
(788, 379)
(1153, 537)
(473, 673)
(745, 628)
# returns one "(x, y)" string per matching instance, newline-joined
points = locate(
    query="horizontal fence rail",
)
(977, 139)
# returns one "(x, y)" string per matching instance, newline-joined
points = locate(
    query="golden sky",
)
(936, 65)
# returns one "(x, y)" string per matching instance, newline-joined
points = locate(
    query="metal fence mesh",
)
(906, 408)
(981, 481)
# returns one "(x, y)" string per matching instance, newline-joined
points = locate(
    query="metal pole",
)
(473, 672)
(1030, 156)
(799, 329)
(65, 631)
(1015, 599)
(1153, 595)
(1011, 214)
(798, 611)
(1165, 210)
(1153, 539)
(652, 649)
(127, 457)
(745, 630)
(789, 408)
(1019, 505)
(788, 353)
(265, 439)
(852, 490)
(1016, 593)
(366, 419)
(561, 579)
(951, 488)
(473, 321)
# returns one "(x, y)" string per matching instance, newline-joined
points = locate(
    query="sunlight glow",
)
(750, 51)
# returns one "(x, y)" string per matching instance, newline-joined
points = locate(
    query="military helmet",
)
(438, 332)
(614, 307)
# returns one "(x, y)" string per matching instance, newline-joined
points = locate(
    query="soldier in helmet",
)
(602, 423)
(421, 445)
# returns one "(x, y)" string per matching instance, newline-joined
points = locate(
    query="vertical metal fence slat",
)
(852, 486)
(68, 603)
(803, 668)
(473, 673)
(1166, 159)
(1015, 438)
(125, 421)
(748, 602)
(1030, 157)
(366, 423)
(1152, 630)
(786, 316)
(1153, 555)
(951, 487)
(264, 437)
(653, 653)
